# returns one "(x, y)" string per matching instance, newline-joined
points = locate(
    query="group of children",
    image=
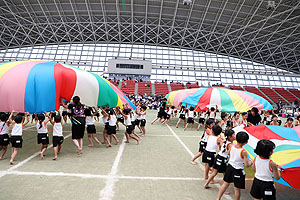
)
(111, 118)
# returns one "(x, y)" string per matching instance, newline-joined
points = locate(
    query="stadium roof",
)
(244, 29)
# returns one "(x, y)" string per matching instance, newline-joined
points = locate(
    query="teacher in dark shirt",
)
(253, 117)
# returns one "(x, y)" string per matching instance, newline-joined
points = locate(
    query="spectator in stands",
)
(279, 105)
(253, 117)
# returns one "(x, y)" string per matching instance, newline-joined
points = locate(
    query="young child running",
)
(190, 119)
(120, 118)
(244, 119)
(212, 113)
(220, 162)
(289, 123)
(129, 128)
(111, 129)
(169, 116)
(143, 119)
(182, 113)
(203, 142)
(4, 138)
(16, 139)
(91, 128)
(274, 120)
(42, 136)
(201, 120)
(238, 159)
(58, 137)
(213, 145)
(105, 122)
(236, 119)
(265, 171)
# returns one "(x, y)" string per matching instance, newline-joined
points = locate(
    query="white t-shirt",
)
(58, 129)
(3, 128)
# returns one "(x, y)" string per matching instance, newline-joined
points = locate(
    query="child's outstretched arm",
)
(48, 116)
(246, 159)
(27, 119)
(10, 119)
(277, 169)
(95, 111)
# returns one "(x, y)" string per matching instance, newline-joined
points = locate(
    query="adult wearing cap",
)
(78, 121)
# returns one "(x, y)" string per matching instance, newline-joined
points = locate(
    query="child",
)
(143, 119)
(58, 137)
(212, 113)
(16, 139)
(268, 117)
(289, 123)
(274, 120)
(201, 120)
(4, 138)
(297, 123)
(203, 142)
(265, 171)
(182, 113)
(238, 159)
(111, 129)
(244, 119)
(138, 118)
(129, 128)
(105, 122)
(236, 119)
(223, 124)
(190, 119)
(220, 163)
(120, 118)
(213, 144)
(91, 128)
(42, 137)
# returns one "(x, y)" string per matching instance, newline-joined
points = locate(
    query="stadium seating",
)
(296, 92)
(256, 91)
(161, 88)
(192, 85)
(272, 95)
(128, 86)
(145, 87)
(236, 87)
(283, 92)
(176, 86)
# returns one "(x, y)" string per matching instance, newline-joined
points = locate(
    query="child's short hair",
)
(87, 112)
(126, 111)
(217, 130)
(41, 117)
(18, 119)
(144, 107)
(209, 122)
(192, 108)
(274, 116)
(290, 119)
(228, 133)
(236, 113)
(57, 118)
(244, 113)
(223, 115)
(242, 137)
(172, 107)
(212, 109)
(264, 148)
(3, 117)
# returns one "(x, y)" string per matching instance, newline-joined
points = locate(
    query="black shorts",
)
(91, 129)
(143, 122)
(168, 116)
(16, 141)
(159, 115)
(202, 146)
(237, 176)
(129, 129)
(57, 140)
(106, 126)
(182, 116)
(201, 120)
(268, 123)
(121, 119)
(220, 164)
(78, 128)
(263, 190)
(64, 113)
(111, 130)
(42, 138)
(97, 115)
(190, 120)
(165, 115)
(137, 122)
(209, 157)
(4, 140)
(133, 124)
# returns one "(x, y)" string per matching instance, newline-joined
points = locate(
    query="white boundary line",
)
(192, 155)
(26, 160)
(107, 193)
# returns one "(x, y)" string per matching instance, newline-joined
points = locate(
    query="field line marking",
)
(26, 160)
(107, 193)
(192, 155)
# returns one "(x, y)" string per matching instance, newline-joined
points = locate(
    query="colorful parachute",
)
(38, 86)
(286, 153)
(226, 100)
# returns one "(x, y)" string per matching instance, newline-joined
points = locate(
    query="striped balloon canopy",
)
(38, 86)
(286, 153)
(226, 100)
